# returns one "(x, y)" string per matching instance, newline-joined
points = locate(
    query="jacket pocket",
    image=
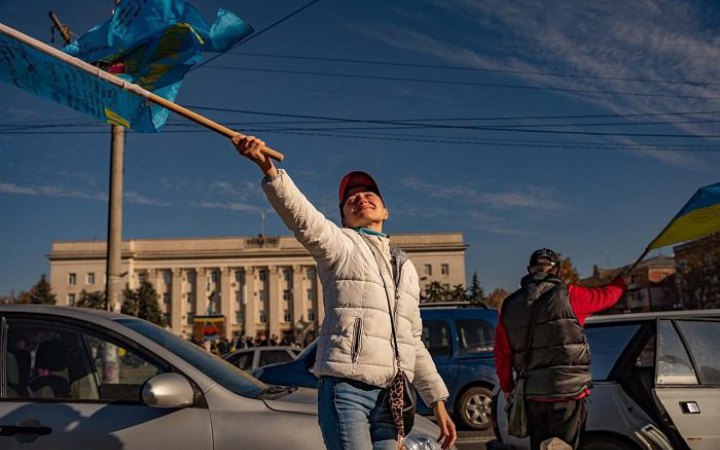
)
(357, 339)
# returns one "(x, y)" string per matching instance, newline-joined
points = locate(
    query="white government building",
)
(261, 285)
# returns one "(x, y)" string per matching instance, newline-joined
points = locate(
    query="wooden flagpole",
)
(130, 87)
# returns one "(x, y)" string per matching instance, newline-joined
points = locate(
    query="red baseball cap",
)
(353, 180)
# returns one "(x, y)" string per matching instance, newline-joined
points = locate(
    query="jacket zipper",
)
(357, 336)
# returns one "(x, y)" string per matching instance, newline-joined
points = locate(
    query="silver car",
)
(656, 383)
(250, 359)
(81, 379)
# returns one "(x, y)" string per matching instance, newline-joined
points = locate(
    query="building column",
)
(226, 300)
(274, 300)
(155, 277)
(298, 296)
(177, 302)
(251, 302)
(201, 295)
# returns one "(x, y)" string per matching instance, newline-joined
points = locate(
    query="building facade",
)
(260, 285)
(652, 286)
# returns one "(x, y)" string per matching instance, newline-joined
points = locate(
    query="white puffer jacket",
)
(356, 336)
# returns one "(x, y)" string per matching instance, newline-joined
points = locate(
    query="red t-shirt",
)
(583, 301)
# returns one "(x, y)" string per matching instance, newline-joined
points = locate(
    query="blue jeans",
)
(355, 416)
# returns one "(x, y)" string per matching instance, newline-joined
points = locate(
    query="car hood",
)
(300, 401)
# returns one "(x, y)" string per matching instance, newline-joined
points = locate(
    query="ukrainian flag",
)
(699, 217)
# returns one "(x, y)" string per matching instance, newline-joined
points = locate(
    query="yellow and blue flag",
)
(151, 43)
(699, 217)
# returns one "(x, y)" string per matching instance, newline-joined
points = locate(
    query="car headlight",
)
(415, 442)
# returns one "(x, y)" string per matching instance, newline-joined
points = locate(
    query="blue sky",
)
(581, 126)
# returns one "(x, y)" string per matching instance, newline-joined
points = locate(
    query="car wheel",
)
(606, 443)
(475, 408)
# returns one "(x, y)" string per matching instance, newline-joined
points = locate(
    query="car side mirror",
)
(168, 390)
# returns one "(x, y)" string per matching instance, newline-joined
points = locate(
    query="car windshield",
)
(224, 373)
(606, 345)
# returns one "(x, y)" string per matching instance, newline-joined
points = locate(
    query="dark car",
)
(460, 340)
(656, 383)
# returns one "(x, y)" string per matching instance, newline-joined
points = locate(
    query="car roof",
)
(65, 311)
(264, 347)
(684, 314)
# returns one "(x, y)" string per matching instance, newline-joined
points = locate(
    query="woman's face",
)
(364, 208)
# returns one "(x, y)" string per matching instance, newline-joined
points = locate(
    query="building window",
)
(287, 317)
(287, 294)
(263, 295)
(263, 317)
(239, 316)
(215, 276)
(310, 273)
(239, 297)
(72, 279)
(90, 278)
(427, 269)
(71, 299)
(240, 276)
(167, 277)
(166, 298)
(287, 275)
(311, 294)
(142, 277)
(263, 275)
(311, 315)
(445, 269)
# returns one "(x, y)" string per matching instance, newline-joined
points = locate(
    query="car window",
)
(606, 344)
(436, 337)
(274, 356)
(702, 338)
(673, 362)
(219, 370)
(476, 335)
(242, 360)
(52, 360)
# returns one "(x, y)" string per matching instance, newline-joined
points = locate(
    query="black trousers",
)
(564, 420)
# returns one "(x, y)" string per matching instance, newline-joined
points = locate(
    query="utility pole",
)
(114, 228)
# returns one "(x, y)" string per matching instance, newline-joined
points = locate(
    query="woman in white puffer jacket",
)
(356, 355)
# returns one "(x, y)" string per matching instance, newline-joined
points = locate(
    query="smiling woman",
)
(370, 345)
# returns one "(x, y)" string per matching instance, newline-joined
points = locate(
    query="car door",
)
(71, 385)
(687, 380)
(438, 339)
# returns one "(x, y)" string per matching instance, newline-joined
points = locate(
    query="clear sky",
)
(581, 126)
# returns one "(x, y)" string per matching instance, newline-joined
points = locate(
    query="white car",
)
(82, 379)
(656, 383)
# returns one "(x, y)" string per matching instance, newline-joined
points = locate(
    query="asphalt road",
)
(473, 440)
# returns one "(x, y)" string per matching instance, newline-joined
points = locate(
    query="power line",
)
(456, 127)
(257, 34)
(433, 140)
(461, 83)
(470, 69)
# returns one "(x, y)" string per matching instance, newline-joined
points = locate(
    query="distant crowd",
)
(222, 346)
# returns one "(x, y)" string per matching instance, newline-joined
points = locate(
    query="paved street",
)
(473, 440)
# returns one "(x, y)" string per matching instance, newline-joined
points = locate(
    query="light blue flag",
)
(151, 43)
(53, 79)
